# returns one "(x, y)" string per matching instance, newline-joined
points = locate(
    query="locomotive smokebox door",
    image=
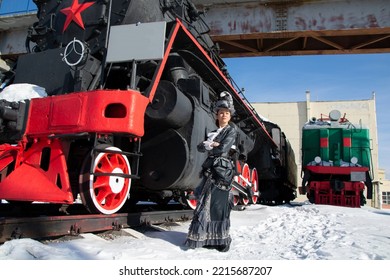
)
(48, 70)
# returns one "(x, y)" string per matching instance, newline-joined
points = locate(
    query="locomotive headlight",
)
(317, 159)
(354, 160)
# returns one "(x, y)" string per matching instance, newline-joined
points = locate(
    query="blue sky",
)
(327, 77)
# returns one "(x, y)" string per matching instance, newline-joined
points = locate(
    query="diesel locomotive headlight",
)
(317, 159)
(354, 160)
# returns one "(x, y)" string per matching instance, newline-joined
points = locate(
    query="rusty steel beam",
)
(286, 27)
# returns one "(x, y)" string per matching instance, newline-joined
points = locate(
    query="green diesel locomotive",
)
(336, 161)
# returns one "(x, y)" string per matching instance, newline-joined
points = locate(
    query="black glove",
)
(201, 148)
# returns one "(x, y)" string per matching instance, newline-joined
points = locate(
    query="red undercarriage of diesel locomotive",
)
(326, 192)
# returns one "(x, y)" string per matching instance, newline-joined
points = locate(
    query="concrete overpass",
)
(245, 28)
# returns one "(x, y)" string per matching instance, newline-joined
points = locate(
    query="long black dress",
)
(211, 220)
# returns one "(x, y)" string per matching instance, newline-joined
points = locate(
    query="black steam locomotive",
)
(110, 101)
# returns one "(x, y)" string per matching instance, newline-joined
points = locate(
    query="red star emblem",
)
(73, 13)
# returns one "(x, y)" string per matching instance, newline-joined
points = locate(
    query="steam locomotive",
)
(336, 161)
(109, 103)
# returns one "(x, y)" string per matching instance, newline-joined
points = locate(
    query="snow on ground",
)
(301, 231)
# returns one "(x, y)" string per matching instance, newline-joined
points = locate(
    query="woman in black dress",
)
(211, 220)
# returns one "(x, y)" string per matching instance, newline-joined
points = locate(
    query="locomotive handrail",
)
(73, 45)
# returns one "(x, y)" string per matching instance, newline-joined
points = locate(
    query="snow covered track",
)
(43, 227)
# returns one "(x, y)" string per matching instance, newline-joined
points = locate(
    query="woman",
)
(211, 220)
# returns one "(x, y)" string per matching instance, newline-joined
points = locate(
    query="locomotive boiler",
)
(336, 161)
(122, 93)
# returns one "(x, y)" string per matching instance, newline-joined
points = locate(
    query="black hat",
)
(225, 101)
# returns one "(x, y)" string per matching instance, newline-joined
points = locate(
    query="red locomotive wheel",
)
(236, 196)
(236, 200)
(191, 202)
(105, 194)
(246, 174)
(255, 185)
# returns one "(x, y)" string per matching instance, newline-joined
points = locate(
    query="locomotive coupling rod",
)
(116, 174)
(240, 188)
(245, 180)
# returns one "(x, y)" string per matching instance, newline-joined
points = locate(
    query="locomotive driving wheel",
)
(190, 199)
(237, 179)
(236, 200)
(255, 186)
(104, 186)
(246, 174)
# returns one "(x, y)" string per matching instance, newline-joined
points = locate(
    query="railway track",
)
(50, 226)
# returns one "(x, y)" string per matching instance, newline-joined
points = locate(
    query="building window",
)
(386, 198)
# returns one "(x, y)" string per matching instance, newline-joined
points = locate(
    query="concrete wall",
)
(291, 116)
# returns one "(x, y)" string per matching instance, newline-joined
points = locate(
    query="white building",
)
(291, 116)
